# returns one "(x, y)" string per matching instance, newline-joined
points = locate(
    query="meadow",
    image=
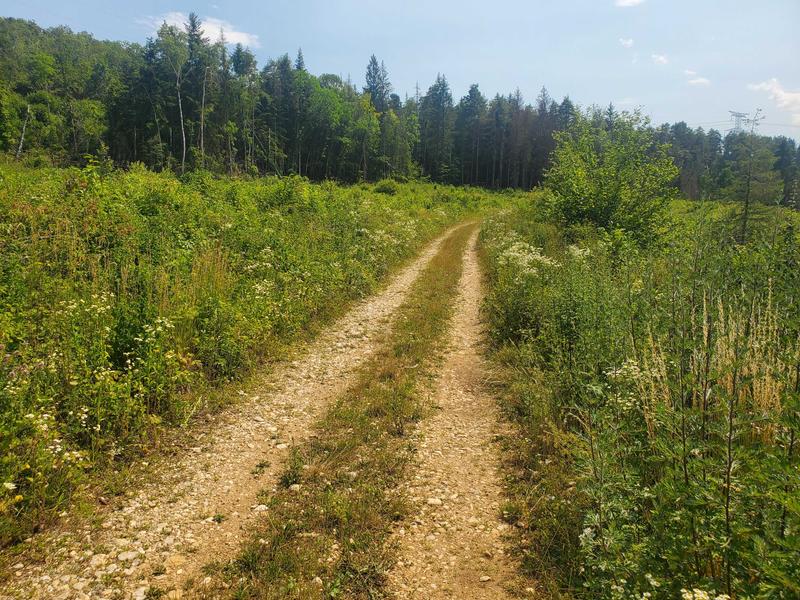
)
(127, 297)
(655, 387)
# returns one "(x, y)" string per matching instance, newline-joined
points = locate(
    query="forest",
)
(182, 102)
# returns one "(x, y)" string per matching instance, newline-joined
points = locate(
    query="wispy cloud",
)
(783, 99)
(689, 72)
(626, 42)
(212, 27)
(699, 81)
(627, 3)
(659, 59)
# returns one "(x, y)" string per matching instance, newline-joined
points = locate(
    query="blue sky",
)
(691, 60)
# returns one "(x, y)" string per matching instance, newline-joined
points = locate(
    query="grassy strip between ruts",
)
(324, 533)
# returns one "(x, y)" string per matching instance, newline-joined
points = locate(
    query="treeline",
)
(713, 166)
(182, 102)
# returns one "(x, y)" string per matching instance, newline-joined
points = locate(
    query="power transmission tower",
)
(751, 142)
(738, 118)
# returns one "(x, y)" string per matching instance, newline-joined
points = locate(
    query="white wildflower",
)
(577, 252)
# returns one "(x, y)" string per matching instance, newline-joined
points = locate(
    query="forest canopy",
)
(183, 101)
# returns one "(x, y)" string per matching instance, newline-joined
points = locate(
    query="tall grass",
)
(657, 392)
(123, 294)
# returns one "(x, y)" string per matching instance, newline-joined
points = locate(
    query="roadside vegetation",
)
(651, 361)
(125, 295)
(325, 532)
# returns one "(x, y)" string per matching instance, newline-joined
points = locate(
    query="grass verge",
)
(325, 530)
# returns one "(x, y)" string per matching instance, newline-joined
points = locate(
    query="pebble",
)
(435, 501)
(175, 561)
(98, 560)
(127, 556)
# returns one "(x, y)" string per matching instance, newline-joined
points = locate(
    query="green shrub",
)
(613, 175)
(386, 186)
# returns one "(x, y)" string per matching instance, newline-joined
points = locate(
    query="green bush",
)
(613, 175)
(387, 186)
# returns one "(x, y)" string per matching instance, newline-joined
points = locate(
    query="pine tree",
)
(785, 165)
(299, 62)
(378, 86)
(436, 130)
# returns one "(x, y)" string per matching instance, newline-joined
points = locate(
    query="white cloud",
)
(626, 42)
(784, 99)
(659, 59)
(211, 28)
(699, 81)
(689, 72)
(627, 3)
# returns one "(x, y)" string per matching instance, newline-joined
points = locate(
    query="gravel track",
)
(454, 546)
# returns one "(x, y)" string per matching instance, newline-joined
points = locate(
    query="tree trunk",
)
(22, 135)
(364, 155)
(183, 130)
(203, 122)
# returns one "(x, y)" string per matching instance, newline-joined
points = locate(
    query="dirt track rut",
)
(454, 547)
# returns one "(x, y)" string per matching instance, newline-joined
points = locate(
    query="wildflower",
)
(587, 537)
(696, 594)
(652, 580)
(10, 486)
(629, 371)
(525, 256)
(578, 252)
